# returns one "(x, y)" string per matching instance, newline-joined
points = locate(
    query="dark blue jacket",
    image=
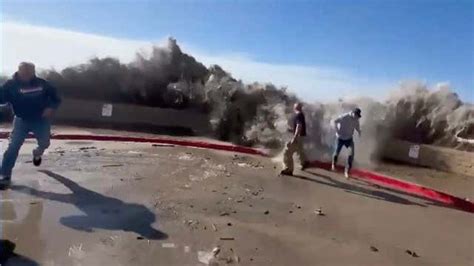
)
(29, 99)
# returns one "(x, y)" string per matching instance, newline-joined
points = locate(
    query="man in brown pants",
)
(298, 128)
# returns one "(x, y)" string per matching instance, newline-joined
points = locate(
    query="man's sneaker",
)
(346, 173)
(286, 172)
(37, 160)
(333, 167)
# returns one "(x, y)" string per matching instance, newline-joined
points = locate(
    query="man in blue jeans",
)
(345, 125)
(33, 101)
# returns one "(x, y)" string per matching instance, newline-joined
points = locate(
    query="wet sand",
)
(134, 204)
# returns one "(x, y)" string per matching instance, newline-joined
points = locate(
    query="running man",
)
(34, 102)
(345, 125)
(298, 128)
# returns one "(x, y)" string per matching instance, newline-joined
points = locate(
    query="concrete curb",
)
(404, 186)
(369, 176)
(170, 141)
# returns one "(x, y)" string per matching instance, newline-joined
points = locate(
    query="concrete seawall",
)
(120, 116)
(440, 158)
(127, 116)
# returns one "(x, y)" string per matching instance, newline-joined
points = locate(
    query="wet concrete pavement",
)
(134, 204)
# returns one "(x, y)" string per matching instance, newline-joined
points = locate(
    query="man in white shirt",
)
(345, 126)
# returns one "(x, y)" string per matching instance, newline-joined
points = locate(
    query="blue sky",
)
(380, 41)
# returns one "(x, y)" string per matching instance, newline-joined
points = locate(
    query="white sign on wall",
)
(107, 110)
(414, 151)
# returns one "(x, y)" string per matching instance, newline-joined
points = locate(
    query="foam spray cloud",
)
(257, 114)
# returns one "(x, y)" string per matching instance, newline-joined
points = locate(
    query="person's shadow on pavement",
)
(9, 257)
(100, 212)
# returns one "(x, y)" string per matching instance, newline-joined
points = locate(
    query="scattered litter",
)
(134, 152)
(207, 257)
(227, 238)
(162, 145)
(112, 165)
(319, 211)
(266, 212)
(186, 157)
(87, 148)
(76, 252)
(168, 245)
(412, 253)
(187, 249)
(229, 224)
(216, 251)
(224, 214)
(374, 249)
(290, 211)
(214, 227)
(192, 223)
